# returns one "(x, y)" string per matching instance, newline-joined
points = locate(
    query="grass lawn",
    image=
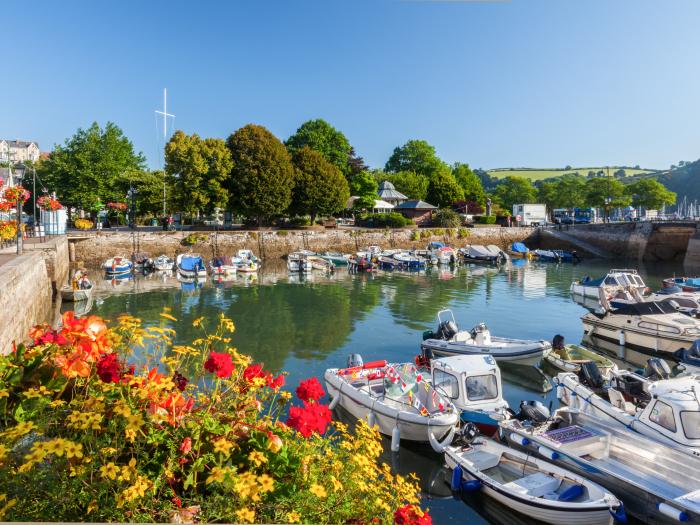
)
(539, 174)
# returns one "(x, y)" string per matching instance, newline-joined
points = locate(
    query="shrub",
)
(194, 238)
(462, 233)
(415, 236)
(282, 233)
(447, 218)
(300, 221)
(385, 220)
(486, 219)
(83, 224)
(190, 433)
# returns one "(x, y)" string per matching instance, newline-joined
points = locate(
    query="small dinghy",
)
(223, 266)
(338, 259)
(190, 266)
(569, 358)
(396, 398)
(518, 250)
(557, 256)
(449, 340)
(481, 254)
(360, 264)
(163, 263)
(117, 266)
(246, 261)
(79, 289)
(529, 485)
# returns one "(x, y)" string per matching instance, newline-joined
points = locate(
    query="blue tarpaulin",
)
(191, 264)
(519, 247)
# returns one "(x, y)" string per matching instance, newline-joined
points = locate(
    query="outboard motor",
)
(533, 411)
(447, 330)
(558, 342)
(591, 376)
(657, 369)
(355, 360)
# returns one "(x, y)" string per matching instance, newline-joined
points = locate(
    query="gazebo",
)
(387, 192)
(380, 206)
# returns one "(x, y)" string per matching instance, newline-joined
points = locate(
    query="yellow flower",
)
(257, 458)
(18, 430)
(6, 505)
(245, 515)
(55, 446)
(379, 502)
(3, 452)
(4, 393)
(223, 446)
(33, 393)
(318, 491)
(246, 486)
(217, 475)
(73, 449)
(266, 483)
(197, 322)
(275, 443)
(168, 316)
(337, 485)
(92, 506)
(110, 471)
(57, 403)
(286, 395)
(293, 517)
(108, 451)
(122, 409)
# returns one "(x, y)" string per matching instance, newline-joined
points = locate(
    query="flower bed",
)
(83, 224)
(183, 433)
(8, 230)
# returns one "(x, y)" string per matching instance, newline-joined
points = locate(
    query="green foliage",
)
(320, 136)
(514, 190)
(412, 185)
(85, 170)
(415, 236)
(384, 220)
(568, 191)
(262, 176)
(463, 233)
(650, 194)
(469, 182)
(200, 169)
(149, 185)
(417, 156)
(606, 193)
(319, 187)
(447, 218)
(535, 174)
(299, 221)
(443, 189)
(364, 186)
(485, 219)
(194, 238)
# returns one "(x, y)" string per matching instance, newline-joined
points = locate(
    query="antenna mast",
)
(165, 115)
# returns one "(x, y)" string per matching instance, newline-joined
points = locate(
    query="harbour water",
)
(306, 324)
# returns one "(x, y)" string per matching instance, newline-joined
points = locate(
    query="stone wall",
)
(92, 249)
(25, 297)
(55, 255)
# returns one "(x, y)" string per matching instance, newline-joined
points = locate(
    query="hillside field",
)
(539, 174)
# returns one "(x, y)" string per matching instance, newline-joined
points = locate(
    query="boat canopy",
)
(404, 383)
(519, 247)
(191, 264)
(477, 250)
(645, 308)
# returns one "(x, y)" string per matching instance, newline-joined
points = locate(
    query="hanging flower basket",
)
(117, 206)
(16, 193)
(47, 203)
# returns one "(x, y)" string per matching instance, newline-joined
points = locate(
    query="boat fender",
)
(548, 453)
(619, 515)
(440, 447)
(396, 438)
(371, 417)
(560, 391)
(622, 338)
(334, 402)
(520, 440)
(459, 485)
(672, 512)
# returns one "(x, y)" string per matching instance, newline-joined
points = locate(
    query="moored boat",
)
(163, 263)
(689, 358)
(558, 256)
(614, 281)
(190, 266)
(481, 254)
(70, 294)
(360, 264)
(687, 284)
(246, 261)
(570, 357)
(297, 262)
(117, 265)
(223, 266)
(518, 250)
(338, 259)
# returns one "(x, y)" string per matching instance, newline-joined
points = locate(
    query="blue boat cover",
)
(436, 245)
(670, 290)
(692, 281)
(519, 247)
(191, 264)
(587, 281)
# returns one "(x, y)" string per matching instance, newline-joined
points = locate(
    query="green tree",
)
(262, 176)
(417, 156)
(364, 186)
(411, 184)
(514, 190)
(470, 183)
(320, 136)
(200, 169)
(571, 190)
(548, 194)
(149, 185)
(650, 194)
(319, 187)
(85, 170)
(443, 188)
(606, 193)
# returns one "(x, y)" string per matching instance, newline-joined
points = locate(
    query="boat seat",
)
(482, 460)
(537, 484)
(618, 401)
(462, 337)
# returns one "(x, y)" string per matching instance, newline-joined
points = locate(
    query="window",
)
(610, 281)
(447, 383)
(482, 387)
(691, 424)
(662, 414)
(649, 326)
(668, 329)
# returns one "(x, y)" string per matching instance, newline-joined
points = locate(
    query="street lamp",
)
(131, 195)
(19, 174)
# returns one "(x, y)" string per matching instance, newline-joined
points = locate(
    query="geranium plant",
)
(16, 193)
(117, 206)
(121, 424)
(48, 203)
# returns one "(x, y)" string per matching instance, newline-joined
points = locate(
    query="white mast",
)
(165, 115)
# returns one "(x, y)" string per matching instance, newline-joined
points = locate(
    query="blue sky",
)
(495, 84)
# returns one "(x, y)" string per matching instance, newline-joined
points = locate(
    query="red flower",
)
(180, 381)
(312, 417)
(186, 445)
(310, 390)
(252, 372)
(109, 368)
(177, 501)
(275, 383)
(411, 515)
(219, 364)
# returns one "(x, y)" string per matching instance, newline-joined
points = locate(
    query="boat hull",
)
(528, 353)
(69, 295)
(553, 360)
(652, 344)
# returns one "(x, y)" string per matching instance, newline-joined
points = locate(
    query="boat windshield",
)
(691, 424)
(483, 387)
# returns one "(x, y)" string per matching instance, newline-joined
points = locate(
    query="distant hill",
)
(683, 180)
(547, 173)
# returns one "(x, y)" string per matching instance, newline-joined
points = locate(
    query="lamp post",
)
(131, 195)
(19, 174)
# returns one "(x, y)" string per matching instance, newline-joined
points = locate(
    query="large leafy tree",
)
(443, 188)
(606, 193)
(85, 170)
(571, 191)
(320, 136)
(200, 169)
(470, 183)
(650, 194)
(319, 187)
(417, 156)
(149, 187)
(364, 186)
(356, 164)
(514, 190)
(411, 184)
(262, 176)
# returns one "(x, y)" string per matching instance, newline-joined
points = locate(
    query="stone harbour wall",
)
(55, 255)
(25, 297)
(94, 248)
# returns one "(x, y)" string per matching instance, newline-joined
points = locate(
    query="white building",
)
(18, 151)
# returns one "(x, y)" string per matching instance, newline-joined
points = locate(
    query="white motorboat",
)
(117, 266)
(246, 261)
(444, 254)
(163, 263)
(83, 293)
(223, 266)
(395, 397)
(298, 262)
(668, 410)
(449, 340)
(338, 259)
(319, 263)
(409, 261)
(190, 266)
(496, 250)
(614, 281)
(657, 483)
(649, 327)
(530, 486)
(481, 254)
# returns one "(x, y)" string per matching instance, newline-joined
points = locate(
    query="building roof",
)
(380, 204)
(19, 143)
(388, 191)
(416, 205)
